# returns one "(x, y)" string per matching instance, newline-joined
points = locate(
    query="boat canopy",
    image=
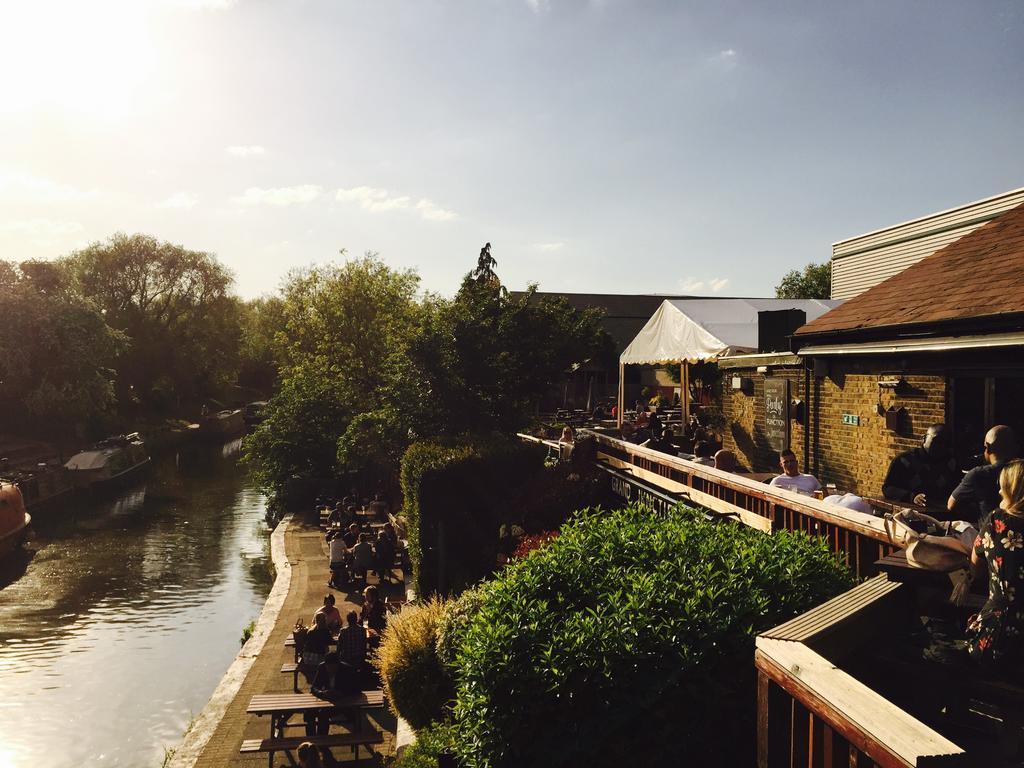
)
(92, 459)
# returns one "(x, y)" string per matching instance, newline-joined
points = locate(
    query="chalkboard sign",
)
(776, 413)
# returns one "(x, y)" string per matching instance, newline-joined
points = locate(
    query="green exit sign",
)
(851, 419)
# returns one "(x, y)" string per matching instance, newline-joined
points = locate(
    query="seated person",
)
(628, 432)
(791, 479)
(642, 420)
(330, 613)
(338, 516)
(703, 453)
(392, 534)
(996, 633)
(385, 551)
(978, 492)
(314, 647)
(333, 680)
(363, 556)
(378, 506)
(339, 558)
(351, 536)
(567, 436)
(657, 427)
(352, 642)
(725, 460)
(924, 475)
(373, 615)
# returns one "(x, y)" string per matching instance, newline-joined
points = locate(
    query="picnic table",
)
(281, 707)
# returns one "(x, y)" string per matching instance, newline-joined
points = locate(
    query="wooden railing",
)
(812, 713)
(860, 538)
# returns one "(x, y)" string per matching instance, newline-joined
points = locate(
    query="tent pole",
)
(684, 382)
(622, 392)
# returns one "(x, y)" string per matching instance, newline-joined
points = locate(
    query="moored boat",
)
(225, 423)
(39, 483)
(108, 462)
(14, 520)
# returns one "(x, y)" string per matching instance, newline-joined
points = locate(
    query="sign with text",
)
(776, 412)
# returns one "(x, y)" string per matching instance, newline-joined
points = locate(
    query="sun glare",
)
(86, 59)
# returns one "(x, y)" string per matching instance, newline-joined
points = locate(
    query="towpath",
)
(220, 729)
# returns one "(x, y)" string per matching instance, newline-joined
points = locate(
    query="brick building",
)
(942, 341)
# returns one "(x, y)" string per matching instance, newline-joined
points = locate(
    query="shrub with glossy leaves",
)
(630, 638)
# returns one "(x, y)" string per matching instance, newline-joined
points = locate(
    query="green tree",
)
(486, 357)
(815, 282)
(174, 305)
(56, 351)
(343, 341)
(259, 355)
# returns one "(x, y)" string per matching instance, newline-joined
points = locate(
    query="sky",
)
(618, 146)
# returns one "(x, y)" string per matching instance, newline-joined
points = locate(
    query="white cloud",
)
(726, 59)
(252, 150)
(41, 231)
(279, 196)
(431, 212)
(548, 247)
(377, 200)
(201, 5)
(179, 200)
(24, 187)
(695, 285)
(539, 6)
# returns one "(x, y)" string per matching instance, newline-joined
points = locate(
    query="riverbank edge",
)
(198, 736)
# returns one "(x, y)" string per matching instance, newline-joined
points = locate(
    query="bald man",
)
(978, 492)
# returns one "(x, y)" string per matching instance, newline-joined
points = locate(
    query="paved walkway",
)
(307, 561)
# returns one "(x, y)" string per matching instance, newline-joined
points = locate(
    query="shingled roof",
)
(978, 277)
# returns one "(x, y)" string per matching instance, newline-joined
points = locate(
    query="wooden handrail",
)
(802, 696)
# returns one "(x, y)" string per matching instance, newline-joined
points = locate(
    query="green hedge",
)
(471, 491)
(456, 499)
(629, 639)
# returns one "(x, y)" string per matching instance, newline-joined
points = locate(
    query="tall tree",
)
(56, 351)
(174, 305)
(486, 357)
(814, 282)
(344, 378)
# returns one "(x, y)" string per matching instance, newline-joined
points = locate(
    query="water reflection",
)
(119, 621)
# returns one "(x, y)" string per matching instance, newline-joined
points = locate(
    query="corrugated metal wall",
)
(866, 260)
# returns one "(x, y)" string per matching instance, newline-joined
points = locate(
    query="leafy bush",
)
(535, 541)
(451, 628)
(415, 682)
(631, 634)
(430, 743)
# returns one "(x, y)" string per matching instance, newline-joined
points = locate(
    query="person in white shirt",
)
(791, 479)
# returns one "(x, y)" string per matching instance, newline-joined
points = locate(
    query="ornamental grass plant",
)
(415, 682)
(629, 639)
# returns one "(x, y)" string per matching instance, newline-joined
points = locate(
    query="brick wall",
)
(855, 458)
(744, 414)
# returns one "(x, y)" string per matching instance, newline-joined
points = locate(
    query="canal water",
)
(122, 615)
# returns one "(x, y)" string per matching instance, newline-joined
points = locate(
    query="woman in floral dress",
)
(996, 633)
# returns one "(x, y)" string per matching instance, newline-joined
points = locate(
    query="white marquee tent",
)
(691, 330)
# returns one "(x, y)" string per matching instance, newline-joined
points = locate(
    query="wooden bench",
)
(292, 669)
(288, 744)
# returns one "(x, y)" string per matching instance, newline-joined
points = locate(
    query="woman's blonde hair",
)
(1011, 483)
